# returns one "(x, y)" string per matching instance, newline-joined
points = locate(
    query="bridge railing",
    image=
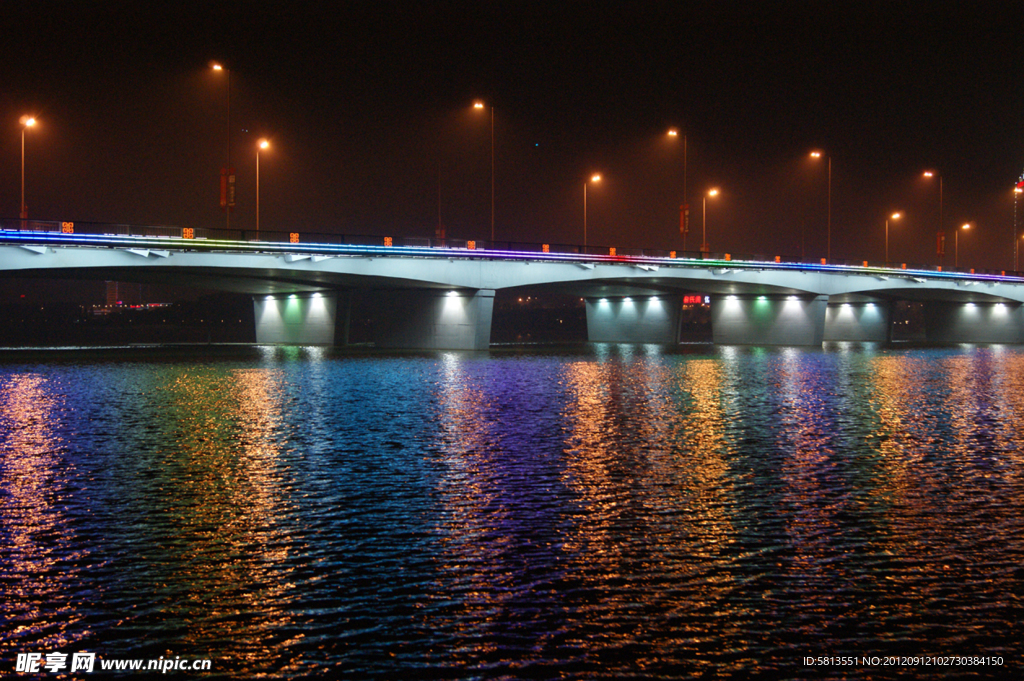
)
(279, 237)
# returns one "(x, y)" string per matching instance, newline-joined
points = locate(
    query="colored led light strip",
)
(235, 246)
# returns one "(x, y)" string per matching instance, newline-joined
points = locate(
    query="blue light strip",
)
(233, 246)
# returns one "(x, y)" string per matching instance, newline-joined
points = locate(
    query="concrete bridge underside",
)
(431, 302)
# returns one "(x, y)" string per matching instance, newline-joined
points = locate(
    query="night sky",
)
(368, 108)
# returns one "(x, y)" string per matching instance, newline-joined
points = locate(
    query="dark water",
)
(615, 512)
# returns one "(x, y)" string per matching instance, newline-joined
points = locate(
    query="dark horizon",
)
(368, 110)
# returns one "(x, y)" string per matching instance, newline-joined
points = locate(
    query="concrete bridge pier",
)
(433, 319)
(633, 319)
(298, 318)
(865, 321)
(949, 322)
(768, 319)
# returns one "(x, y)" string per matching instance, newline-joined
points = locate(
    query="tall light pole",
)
(704, 248)
(26, 122)
(263, 144)
(593, 178)
(684, 208)
(932, 173)
(828, 227)
(1018, 189)
(894, 216)
(956, 245)
(228, 177)
(480, 106)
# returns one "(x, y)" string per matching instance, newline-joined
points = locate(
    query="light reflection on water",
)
(617, 511)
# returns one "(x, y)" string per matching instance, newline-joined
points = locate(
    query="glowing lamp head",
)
(264, 144)
(28, 121)
(929, 173)
(815, 154)
(478, 105)
(216, 67)
(967, 226)
(897, 216)
(713, 192)
(595, 177)
(673, 132)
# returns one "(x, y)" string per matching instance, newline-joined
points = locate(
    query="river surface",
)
(605, 512)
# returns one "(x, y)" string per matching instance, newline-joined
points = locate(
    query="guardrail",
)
(278, 238)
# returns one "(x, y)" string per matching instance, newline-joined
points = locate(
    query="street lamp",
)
(26, 122)
(1018, 189)
(828, 248)
(704, 248)
(956, 245)
(684, 208)
(263, 144)
(480, 106)
(894, 216)
(593, 178)
(227, 177)
(931, 173)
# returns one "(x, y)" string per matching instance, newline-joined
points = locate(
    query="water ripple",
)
(622, 512)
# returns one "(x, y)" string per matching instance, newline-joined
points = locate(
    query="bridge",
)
(431, 295)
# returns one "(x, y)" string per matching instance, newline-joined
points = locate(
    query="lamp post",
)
(956, 245)
(1018, 189)
(480, 106)
(932, 173)
(684, 208)
(894, 216)
(263, 144)
(704, 248)
(26, 122)
(593, 178)
(227, 189)
(828, 228)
